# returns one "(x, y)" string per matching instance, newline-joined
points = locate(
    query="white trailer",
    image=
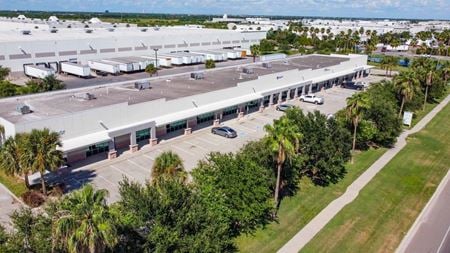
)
(177, 59)
(194, 58)
(209, 55)
(162, 61)
(38, 71)
(75, 69)
(228, 53)
(124, 65)
(142, 62)
(271, 57)
(104, 66)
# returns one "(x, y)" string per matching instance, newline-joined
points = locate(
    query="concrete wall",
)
(75, 156)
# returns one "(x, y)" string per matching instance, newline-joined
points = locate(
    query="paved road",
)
(431, 231)
(8, 203)
(106, 174)
(317, 223)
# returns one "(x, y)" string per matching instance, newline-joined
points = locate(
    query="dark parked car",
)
(284, 107)
(227, 132)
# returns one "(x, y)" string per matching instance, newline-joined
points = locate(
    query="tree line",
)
(8, 89)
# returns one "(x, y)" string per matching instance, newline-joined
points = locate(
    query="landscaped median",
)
(295, 212)
(378, 219)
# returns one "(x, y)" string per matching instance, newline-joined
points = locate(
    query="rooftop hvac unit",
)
(142, 85)
(88, 30)
(197, 76)
(23, 109)
(144, 29)
(267, 65)
(110, 29)
(53, 30)
(85, 96)
(26, 32)
(247, 70)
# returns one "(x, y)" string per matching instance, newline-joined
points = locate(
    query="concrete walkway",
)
(315, 225)
(8, 204)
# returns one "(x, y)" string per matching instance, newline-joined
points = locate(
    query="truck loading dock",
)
(121, 116)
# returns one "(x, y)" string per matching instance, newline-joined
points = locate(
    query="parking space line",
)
(245, 127)
(147, 156)
(110, 182)
(182, 150)
(207, 141)
(121, 171)
(138, 165)
(196, 145)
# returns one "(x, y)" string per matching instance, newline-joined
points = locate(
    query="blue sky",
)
(426, 9)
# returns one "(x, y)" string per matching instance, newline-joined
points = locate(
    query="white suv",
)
(311, 98)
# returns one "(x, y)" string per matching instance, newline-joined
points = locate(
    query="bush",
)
(210, 64)
(33, 198)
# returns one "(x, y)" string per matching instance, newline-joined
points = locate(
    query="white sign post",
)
(407, 118)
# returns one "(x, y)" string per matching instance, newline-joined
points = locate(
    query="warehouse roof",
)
(12, 33)
(169, 88)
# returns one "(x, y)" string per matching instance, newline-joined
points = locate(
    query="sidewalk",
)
(315, 225)
(8, 204)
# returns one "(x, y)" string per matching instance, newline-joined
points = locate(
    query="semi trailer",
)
(75, 69)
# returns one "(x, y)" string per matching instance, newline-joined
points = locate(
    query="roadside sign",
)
(407, 118)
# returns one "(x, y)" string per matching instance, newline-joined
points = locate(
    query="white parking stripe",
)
(121, 171)
(182, 150)
(196, 145)
(147, 156)
(207, 141)
(138, 165)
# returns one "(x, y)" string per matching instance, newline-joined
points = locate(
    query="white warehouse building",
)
(24, 43)
(102, 120)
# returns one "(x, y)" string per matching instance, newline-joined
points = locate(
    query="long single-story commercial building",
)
(105, 119)
(29, 43)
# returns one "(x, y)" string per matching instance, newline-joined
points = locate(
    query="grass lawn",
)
(295, 212)
(387, 207)
(428, 107)
(14, 184)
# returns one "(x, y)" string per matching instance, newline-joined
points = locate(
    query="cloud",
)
(348, 8)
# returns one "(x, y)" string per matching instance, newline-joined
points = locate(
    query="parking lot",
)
(106, 174)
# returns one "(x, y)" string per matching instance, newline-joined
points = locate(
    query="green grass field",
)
(387, 207)
(14, 184)
(295, 212)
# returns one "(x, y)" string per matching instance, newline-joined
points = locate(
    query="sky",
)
(421, 9)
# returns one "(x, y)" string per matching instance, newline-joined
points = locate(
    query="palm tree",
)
(283, 139)
(388, 64)
(82, 222)
(356, 105)
(11, 156)
(2, 134)
(41, 153)
(406, 84)
(255, 50)
(151, 69)
(168, 164)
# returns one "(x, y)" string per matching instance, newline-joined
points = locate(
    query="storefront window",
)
(97, 149)
(230, 110)
(176, 126)
(205, 117)
(143, 134)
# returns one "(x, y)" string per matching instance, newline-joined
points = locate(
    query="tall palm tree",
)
(283, 139)
(255, 50)
(406, 84)
(41, 153)
(11, 156)
(82, 222)
(356, 105)
(388, 64)
(168, 164)
(2, 134)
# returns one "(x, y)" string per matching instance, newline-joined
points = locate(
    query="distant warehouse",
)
(102, 120)
(49, 46)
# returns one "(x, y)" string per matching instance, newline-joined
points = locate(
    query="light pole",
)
(156, 59)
